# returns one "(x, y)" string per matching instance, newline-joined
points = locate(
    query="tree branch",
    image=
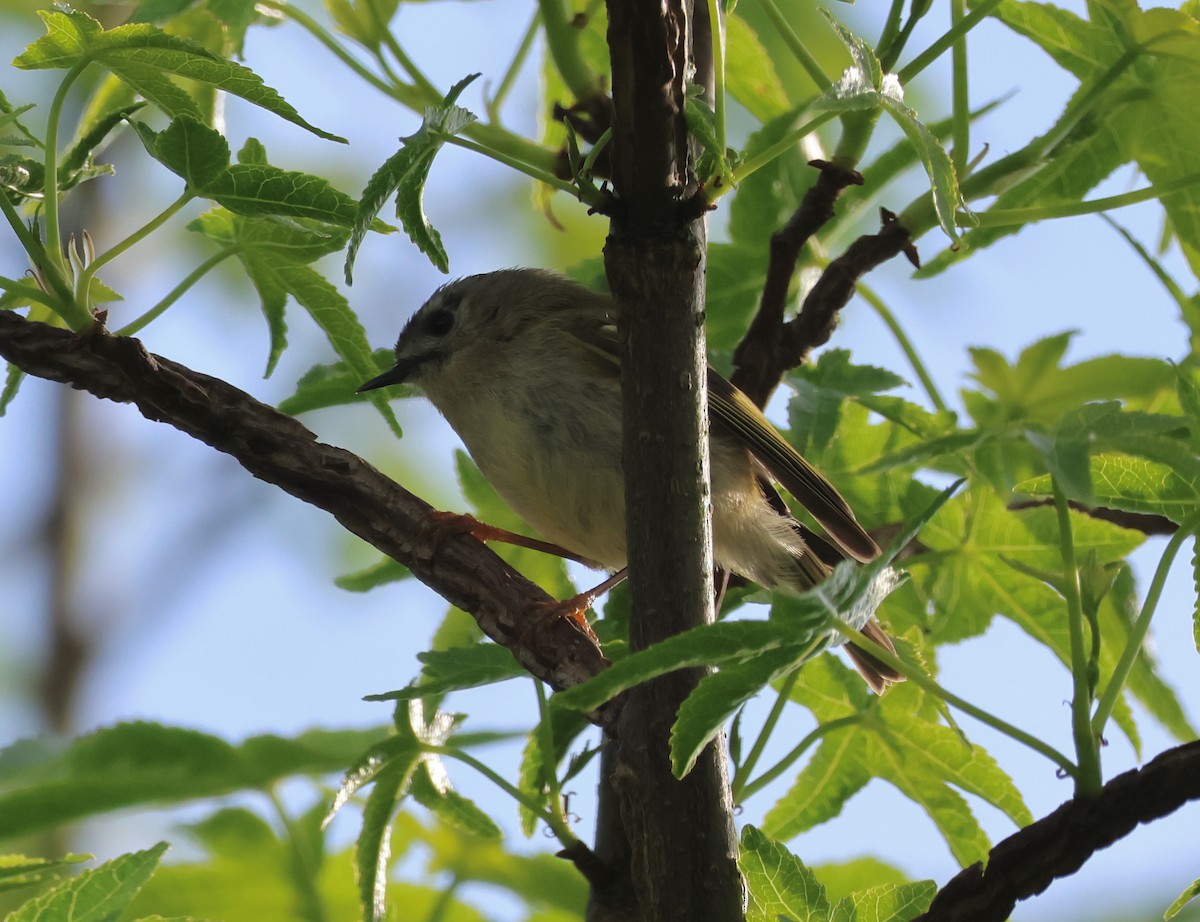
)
(1057, 845)
(770, 346)
(279, 450)
(756, 357)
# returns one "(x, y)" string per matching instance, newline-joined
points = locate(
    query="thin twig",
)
(771, 346)
(756, 358)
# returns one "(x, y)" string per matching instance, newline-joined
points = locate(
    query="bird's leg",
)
(446, 524)
(576, 607)
(456, 523)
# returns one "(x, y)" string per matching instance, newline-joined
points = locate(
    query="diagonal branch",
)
(279, 450)
(770, 346)
(756, 357)
(1057, 845)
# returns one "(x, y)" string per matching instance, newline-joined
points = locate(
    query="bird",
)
(523, 364)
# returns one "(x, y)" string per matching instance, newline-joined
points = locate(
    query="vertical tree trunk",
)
(681, 842)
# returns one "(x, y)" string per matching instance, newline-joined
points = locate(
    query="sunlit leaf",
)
(404, 174)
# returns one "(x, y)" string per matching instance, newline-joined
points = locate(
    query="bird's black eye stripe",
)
(439, 322)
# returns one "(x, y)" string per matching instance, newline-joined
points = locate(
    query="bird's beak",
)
(397, 374)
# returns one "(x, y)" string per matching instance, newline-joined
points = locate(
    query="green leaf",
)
(886, 903)
(726, 641)
(1081, 47)
(1135, 485)
(734, 279)
(373, 849)
(768, 196)
(701, 122)
(404, 173)
(949, 757)
(543, 881)
(1037, 387)
(1196, 604)
(457, 668)
(77, 161)
(18, 871)
(97, 895)
(401, 752)
(831, 777)
(275, 254)
(188, 149)
(142, 54)
(1189, 894)
(335, 384)
(942, 179)
(13, 376)
(847, 877)
(140, 764)
(896, 738)
(452, 808)
(380, 573)
(750, 75)
(779, 883)
(715, 698)
(555, 732)
(262, 189)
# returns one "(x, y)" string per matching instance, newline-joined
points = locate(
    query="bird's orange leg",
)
(456, 523)
(575, 608)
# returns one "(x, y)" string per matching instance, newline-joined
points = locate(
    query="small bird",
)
(524, 366)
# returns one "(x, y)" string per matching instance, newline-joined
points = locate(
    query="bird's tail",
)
(814, 567)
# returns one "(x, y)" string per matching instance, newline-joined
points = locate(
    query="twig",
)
(1145, 522)
(771, 347)
(756, 358)
(1027, 862)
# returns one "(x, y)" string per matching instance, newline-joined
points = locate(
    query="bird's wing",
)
(737, 414)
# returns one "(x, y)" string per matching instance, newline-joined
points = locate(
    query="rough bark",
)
(1057, 845)
(682, 862)
(279, 450)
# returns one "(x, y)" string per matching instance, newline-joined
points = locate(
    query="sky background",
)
(214, 595)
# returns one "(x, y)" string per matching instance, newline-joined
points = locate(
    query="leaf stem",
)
(753, 787)
(141, 322)
(1137, 636)
(956, 31)
(960, 98)
(306, 869)
(402, 93)
(756, 163)
(1010, 216)
(1088, 781)
(924, 681)
(764, 734)
(905, 344)
(797, 47)
(83, 283)
(562, 41)
(30, 292)
(546, 744)
(410, 67)
(561, 830)
(519, 165)
(510, 76)
(891, 30)
(50, 203)
(717, 23)
(46, 272)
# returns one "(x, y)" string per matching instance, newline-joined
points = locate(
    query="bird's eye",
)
(439, 323)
